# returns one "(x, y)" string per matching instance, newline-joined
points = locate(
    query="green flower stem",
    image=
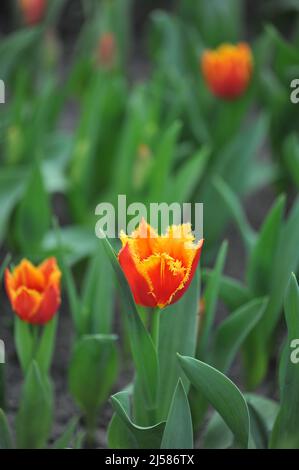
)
(91, 425)
(156, 327)
(36, 330)
(155, 331)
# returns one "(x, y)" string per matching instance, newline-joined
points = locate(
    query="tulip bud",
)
(227, 70)
(159, 269)
(34, 291)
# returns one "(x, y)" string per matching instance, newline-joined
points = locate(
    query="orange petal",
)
(189, 275)
(50, 270)
(25, 274)
(138, 283)
(26, 303)
(166, 275)
(141, 241)
(177, 243)
(48, 306)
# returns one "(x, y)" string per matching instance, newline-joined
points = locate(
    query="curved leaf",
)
(137, 436)
(261, 257)
(210, 298)
(92, 371)
(286, 429)
(178, 432)
(6, 441)
(35, 415)
(233, 331)
(222, 393)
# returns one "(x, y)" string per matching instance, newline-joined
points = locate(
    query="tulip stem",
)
(156, 327)
(91, 424)
(35, 339)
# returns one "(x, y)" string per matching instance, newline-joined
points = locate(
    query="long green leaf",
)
(6, 441)
(33, 216)
(286, 430)
(98, 296)
(233, 331)
(35, 414)
(181, 316)
(188, 176)
(286, 261)
(223, 395)
(162, 166)
(178, 432)
(210, 299)
(232, 292)
(236, 210)
(261, 259)
(92, 372)
(11, 189)
(75, 302)
(262, 412)
(65, 439)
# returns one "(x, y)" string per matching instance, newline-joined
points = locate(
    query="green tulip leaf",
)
(233, 331)
(223, 395)
(286, 429)
(92, 372)
(123, 433)
(35, 414)
(178, 432)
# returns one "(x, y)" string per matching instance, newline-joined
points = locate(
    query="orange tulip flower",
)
(227, 70)
(34, 292)
(33, 10)
(159, 269)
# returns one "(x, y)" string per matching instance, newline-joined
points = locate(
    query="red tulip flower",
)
(34, 292)
(33, 10)
(159, 269)
(227, 70)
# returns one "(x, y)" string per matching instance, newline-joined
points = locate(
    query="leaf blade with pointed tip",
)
(6, 441)
(92, 371)
(35, 414)
(222, 393)
(286, 429)
(233, 331)
(178, 432)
